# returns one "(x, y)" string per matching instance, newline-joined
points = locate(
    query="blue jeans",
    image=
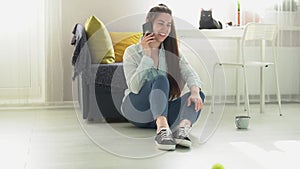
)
(143, 108)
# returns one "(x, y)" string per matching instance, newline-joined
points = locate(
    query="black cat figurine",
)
(207, 21)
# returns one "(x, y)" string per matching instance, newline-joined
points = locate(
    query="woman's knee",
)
(161, 79)
(161, 82)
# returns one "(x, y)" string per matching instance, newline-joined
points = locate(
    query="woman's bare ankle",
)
(161, 122)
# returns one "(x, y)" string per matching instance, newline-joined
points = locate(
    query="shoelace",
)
(184, 131)
(166, 134)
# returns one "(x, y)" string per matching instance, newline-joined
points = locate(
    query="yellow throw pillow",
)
(99, 41)
(121, 40)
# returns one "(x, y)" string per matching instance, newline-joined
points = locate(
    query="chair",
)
(262, 33)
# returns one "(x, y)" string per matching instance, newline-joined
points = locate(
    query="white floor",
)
(56, 139)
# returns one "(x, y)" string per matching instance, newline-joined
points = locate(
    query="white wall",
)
(77, 11)
(188, 12)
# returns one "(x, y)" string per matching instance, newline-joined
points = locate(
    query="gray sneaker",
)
(181, 136)
(164, 140)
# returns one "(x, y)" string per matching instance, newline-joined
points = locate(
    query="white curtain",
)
(286, 14)
(22, 51)
(31, 60)
(54, 66)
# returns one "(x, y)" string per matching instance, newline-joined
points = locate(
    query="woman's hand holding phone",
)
(147, 37)
(146, 40)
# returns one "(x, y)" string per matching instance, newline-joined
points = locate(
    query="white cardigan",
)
(138, 68)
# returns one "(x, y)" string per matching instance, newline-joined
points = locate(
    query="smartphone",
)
(147, 28)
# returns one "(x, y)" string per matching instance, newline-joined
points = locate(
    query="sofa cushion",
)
(111, 75)
(110, 86)
(99, 41)
(121, 40)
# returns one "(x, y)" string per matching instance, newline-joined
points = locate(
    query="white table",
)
(227, 33)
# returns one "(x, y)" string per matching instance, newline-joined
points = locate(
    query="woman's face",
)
(162, 26)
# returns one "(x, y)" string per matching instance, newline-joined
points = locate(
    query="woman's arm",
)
(188, 74)
(136, 65)
(195, 90)
(193, 82)
(195, 98)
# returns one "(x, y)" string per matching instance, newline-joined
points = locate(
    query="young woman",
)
(155, 74)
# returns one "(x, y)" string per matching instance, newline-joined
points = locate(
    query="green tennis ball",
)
(217, 166)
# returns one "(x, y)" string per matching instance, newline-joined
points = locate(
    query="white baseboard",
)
(48, 105)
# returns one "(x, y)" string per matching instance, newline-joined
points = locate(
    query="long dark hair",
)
(172, 52)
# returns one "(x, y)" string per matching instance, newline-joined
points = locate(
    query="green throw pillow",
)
(99, 41)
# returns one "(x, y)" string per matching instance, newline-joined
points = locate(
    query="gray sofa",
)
(100, 86)
(102, 96)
